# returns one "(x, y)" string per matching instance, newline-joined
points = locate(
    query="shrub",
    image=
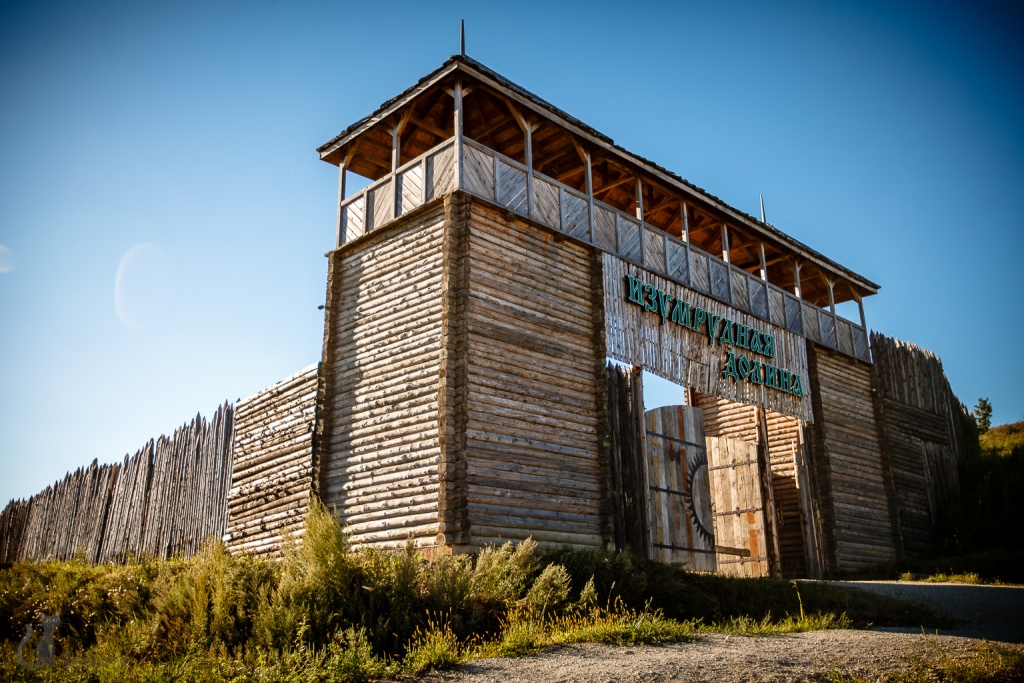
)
(209, 601)
(502, 574)
(549, 590)
(318, 591)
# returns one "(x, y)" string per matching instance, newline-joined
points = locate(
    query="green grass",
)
(325, 612)
(986, 663)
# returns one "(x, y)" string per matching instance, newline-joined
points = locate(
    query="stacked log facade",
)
(532, 460)
(847, 459)
(272, 465)
(379, 454)
(919, 424)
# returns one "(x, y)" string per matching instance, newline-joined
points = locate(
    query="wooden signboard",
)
(680, 334)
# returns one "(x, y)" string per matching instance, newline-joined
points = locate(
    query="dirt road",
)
(992, 612)
(796, 657)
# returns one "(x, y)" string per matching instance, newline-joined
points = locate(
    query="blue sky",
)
(182, 135)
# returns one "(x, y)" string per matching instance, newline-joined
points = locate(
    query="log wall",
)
(167, 499)
(919, 420)
(378, 449)
(847, 460)
(272, 464)
(532, 458)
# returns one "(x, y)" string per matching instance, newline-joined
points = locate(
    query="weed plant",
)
(327, 612)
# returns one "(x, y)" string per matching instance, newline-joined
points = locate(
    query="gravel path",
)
(990, 612)
(795, 657)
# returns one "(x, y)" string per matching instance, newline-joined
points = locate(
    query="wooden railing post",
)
(640, 217)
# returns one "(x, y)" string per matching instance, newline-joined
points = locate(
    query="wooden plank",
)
(629, 246)
(478, 173)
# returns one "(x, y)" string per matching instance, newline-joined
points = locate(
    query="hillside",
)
(1003, 439)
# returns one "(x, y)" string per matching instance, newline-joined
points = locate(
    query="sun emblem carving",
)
(697, 479)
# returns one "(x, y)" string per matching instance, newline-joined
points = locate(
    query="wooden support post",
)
(640, 217)
(725, 243)
(686, 238)
(832, 307)
(860, 306)
(527, 127)
(686, 225)
(396, 142)
(341, 198)
(528, 132)
(590, 194)
(396, 194)
(459, 116)
(764, 263)
(396, 159)
(796, 279)
(342, 170)
(589, 179)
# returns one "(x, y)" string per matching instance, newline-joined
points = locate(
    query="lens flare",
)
(142, 286)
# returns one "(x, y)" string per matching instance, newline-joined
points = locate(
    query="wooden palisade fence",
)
(167, 499)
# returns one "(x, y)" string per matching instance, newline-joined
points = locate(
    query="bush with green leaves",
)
(325, 611)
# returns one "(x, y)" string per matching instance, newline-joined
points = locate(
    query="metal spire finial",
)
(462, 37)
(762, 208)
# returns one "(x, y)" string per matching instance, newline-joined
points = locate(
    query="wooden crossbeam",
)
(562, 177)
(495, 125)
(429, 127)
(547, 162)
(670, 201)
(370, 142)
(615, 183)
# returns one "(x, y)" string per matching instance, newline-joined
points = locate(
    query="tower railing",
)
(494, 177)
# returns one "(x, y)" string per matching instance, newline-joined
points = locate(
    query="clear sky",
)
(164, 215)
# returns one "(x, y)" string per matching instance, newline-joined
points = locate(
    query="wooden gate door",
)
(738, 507)
(681, 515)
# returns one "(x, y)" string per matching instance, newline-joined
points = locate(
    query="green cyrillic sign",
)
(722, 331)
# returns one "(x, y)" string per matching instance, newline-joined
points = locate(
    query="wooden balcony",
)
(496, 178)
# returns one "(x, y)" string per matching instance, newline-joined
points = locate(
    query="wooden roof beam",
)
(613, 184)
(430, 128)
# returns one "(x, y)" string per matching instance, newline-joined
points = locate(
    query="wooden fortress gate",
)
(501, 255)
(503, 252)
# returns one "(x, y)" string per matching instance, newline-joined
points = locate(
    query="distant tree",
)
(983, 414)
